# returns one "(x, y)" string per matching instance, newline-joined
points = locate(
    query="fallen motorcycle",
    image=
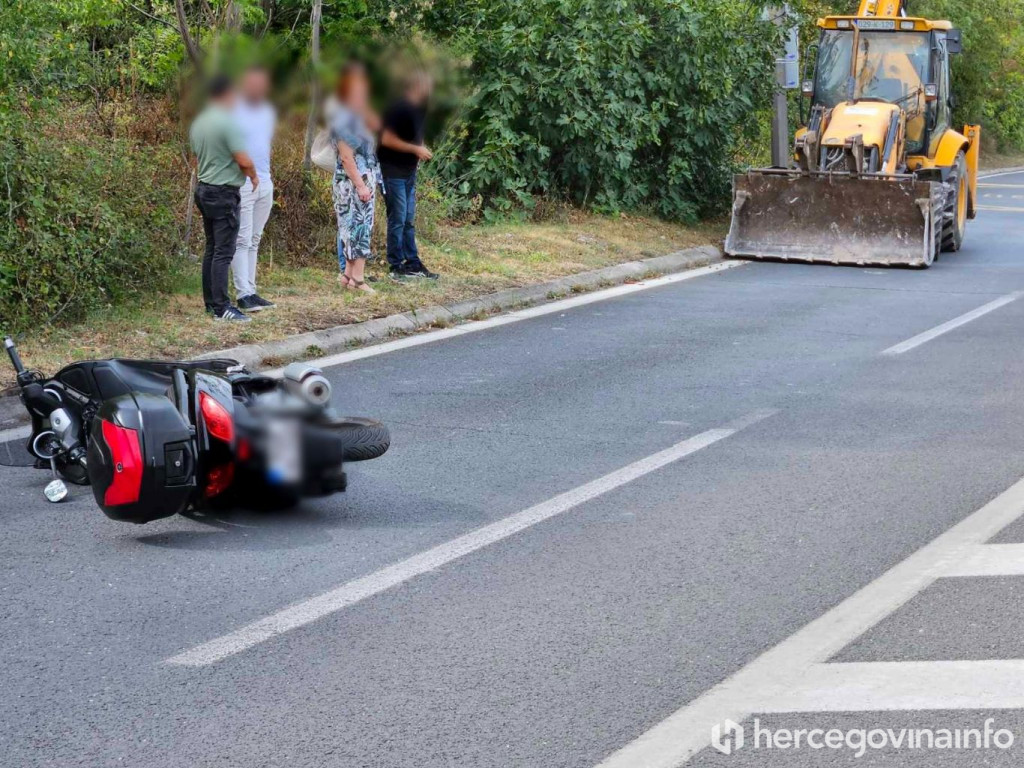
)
(156, 438)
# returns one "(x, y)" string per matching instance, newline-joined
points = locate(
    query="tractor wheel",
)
(954, 215)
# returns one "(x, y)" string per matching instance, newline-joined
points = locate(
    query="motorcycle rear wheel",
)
(364, 439)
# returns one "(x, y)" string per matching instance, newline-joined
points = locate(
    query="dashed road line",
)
(956, 322)
(308, 611)
(794, 676)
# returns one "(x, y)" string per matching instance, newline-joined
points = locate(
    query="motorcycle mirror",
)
(56, 491)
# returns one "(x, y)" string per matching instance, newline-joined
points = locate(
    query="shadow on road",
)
(311, 523)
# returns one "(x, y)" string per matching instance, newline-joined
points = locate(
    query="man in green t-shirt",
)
(222, 166)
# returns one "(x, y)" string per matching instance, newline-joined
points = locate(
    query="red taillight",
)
(218, 421)
(126, 457)
(218, 479)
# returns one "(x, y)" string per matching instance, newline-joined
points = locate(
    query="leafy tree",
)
(616, 104)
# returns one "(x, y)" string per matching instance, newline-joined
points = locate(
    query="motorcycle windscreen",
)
(833, 219)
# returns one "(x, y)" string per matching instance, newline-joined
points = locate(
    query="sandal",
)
(345, 280)
(359, 285)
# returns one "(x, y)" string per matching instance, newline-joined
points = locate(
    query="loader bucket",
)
(834, 218)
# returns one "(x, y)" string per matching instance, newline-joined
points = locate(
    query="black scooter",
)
(158, 438)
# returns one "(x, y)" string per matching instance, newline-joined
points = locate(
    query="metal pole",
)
(780, 128)
(787, 76)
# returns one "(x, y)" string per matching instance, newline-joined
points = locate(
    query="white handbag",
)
(323, 153)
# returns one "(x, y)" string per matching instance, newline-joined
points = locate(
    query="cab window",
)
(890, 66)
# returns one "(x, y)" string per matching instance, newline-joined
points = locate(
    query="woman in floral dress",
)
(356, 176)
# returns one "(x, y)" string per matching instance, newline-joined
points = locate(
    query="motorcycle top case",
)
(141, 458)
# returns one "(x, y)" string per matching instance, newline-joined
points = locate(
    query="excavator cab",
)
(879, 175)
(890, 68)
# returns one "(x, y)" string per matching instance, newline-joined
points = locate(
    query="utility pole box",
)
(787, 77)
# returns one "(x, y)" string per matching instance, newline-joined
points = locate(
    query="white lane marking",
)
(15, 433)
(994, 174)
(956, 322)
(682, 734)
(990, 560)
(886, 686)
(1002, 208)
(308, 611)
(481, 325)
(1001, 186)
(515, 316)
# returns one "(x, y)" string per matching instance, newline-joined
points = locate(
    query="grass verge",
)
(991, 161)
(472, 260)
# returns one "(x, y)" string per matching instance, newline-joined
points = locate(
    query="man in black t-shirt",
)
(401, 149)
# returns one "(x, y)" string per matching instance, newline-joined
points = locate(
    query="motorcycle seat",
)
(104, 379)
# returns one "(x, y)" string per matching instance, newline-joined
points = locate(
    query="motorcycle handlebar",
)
(19, 367)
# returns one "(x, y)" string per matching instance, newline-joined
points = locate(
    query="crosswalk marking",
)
(794, 676)
(885, 686)
(990, 560)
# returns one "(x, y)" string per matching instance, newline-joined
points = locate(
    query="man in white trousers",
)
(257, 119)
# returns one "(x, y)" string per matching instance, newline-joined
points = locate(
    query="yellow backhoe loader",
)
(879, 175)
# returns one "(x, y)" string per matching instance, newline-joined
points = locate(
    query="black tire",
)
(954, 214)
(364, 439)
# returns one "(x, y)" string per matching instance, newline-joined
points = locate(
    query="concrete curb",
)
(339, 338)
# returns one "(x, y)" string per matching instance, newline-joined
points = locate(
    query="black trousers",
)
(218, 204)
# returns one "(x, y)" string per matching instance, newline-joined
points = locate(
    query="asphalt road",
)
(811, 464)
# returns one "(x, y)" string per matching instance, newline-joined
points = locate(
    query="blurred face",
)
(418, 90)
(358, 92)
(255, 85)
(226, 99)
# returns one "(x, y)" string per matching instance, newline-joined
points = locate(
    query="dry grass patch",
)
(991, 161)
(472, 261)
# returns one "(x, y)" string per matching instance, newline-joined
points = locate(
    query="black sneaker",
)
(261, 302)
(419, 270)
(398, 273)
(232, 314)
(249, 303)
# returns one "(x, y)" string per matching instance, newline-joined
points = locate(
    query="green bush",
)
(988, 77)
(612, 104)
(87, 219)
